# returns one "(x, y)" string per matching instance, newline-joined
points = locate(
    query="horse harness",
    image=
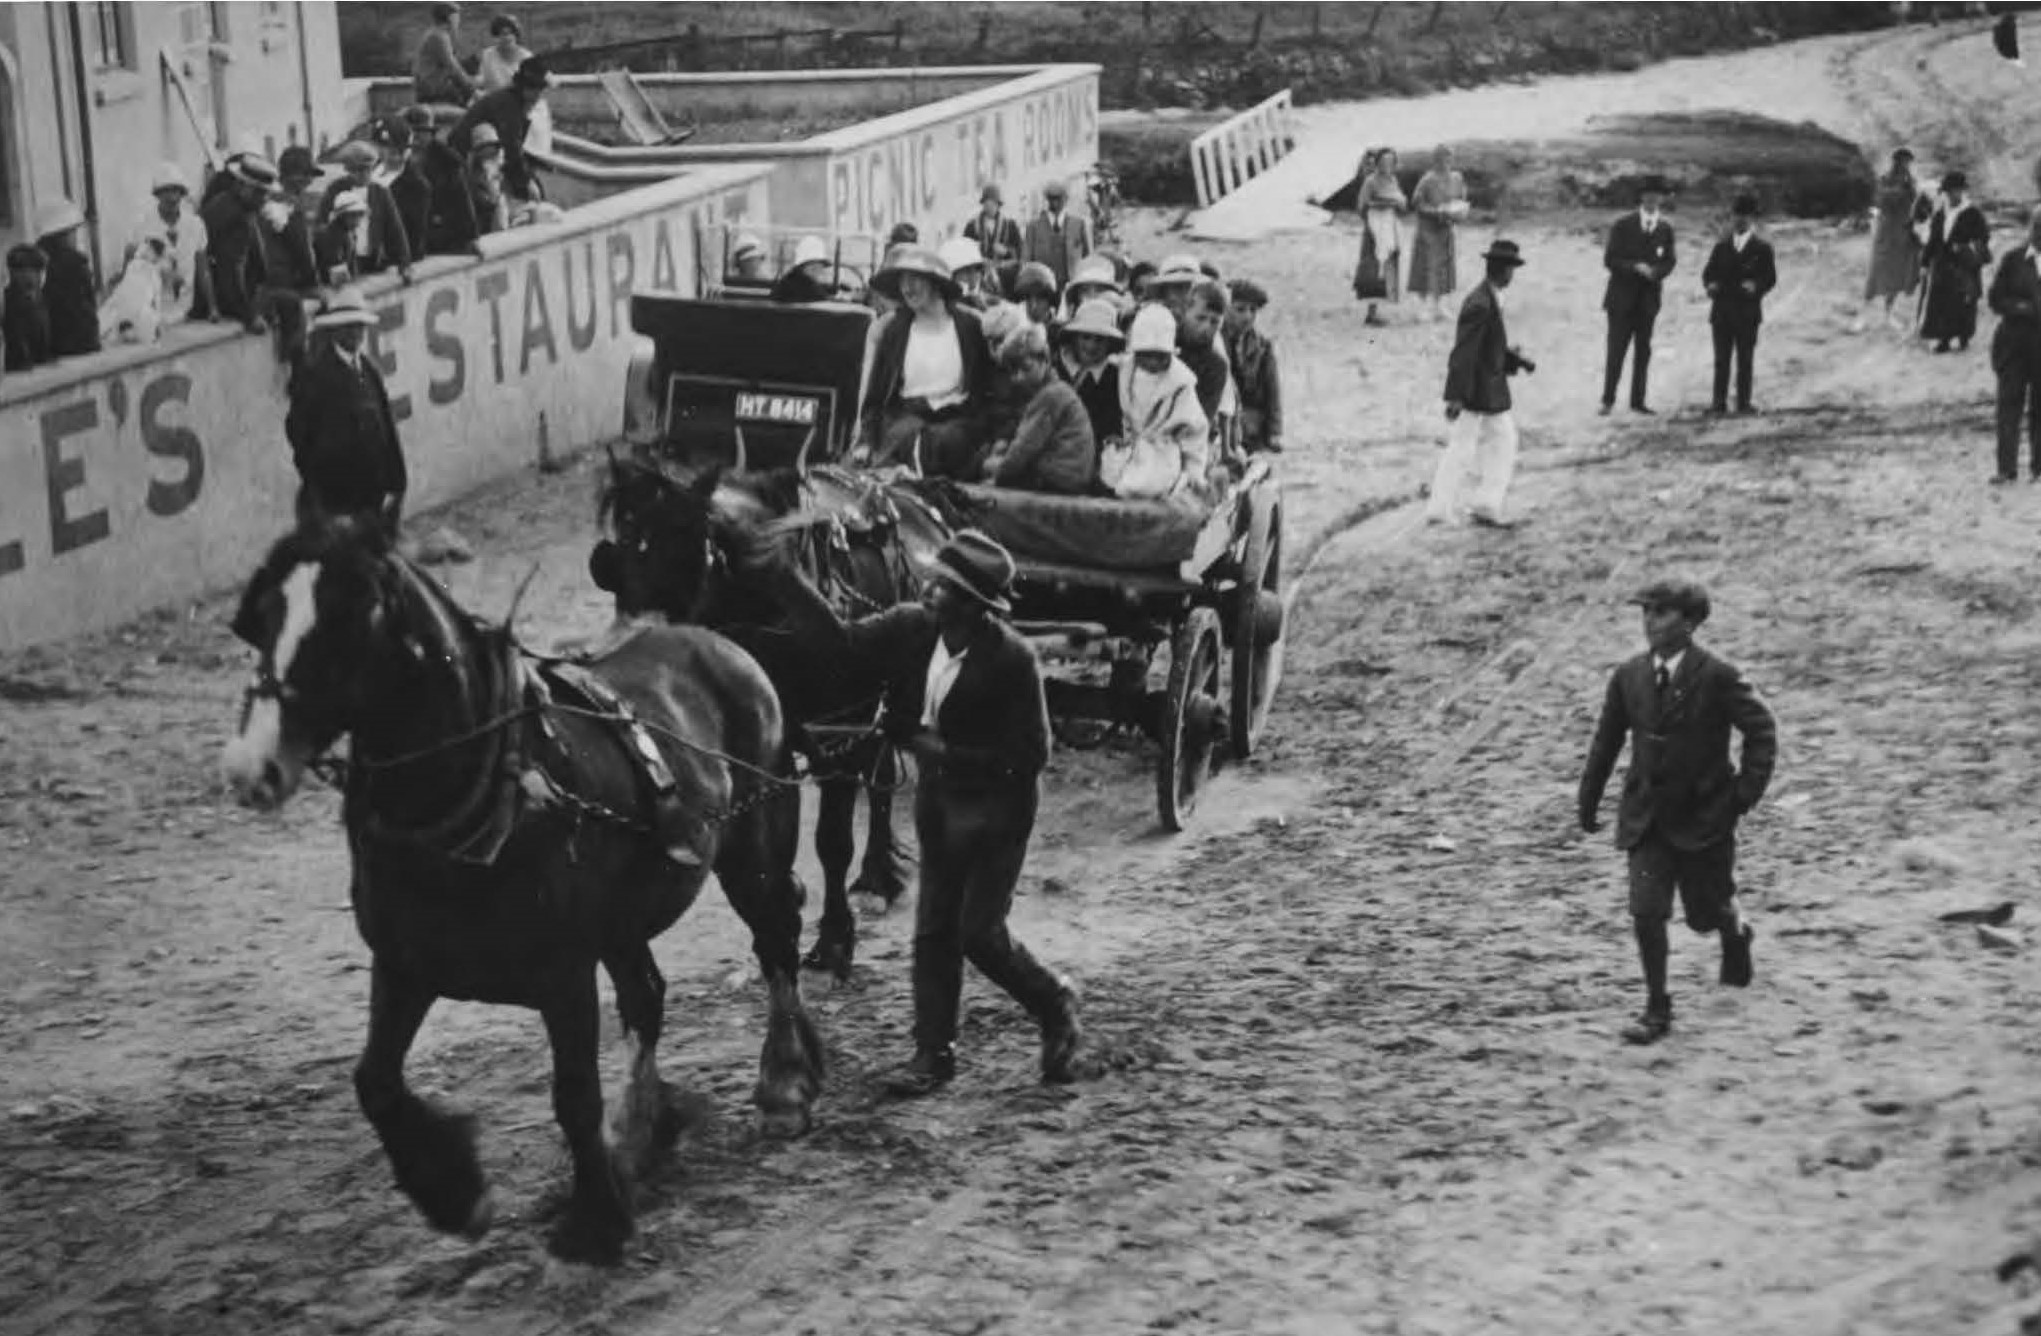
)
(516, 783)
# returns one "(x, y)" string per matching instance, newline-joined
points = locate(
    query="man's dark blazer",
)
(433, 202)
(72, 300)
(994, 723)
(1058, 247)
(1478, 371)
(1630, 293)
(1728, 270)
(1681, 782)
(343, 435)
(2015, 298)
(889, 363)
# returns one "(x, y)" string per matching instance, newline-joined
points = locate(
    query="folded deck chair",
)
(641, 120)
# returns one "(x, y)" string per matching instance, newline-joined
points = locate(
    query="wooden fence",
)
(1237, 150)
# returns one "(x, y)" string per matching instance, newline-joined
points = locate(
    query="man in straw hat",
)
(1481, 435)
(342, 433)
(510, 110)
(1677, 704)
(932, 373)
(68, 286)
(1639, 256)
(965, 690)
(233, 246)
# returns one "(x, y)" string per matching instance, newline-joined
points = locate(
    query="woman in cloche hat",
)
(932, 372)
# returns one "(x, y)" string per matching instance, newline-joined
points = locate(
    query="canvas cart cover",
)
(779, 375)
(1105, 533)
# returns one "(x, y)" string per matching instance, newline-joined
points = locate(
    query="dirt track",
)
(1365, 1077)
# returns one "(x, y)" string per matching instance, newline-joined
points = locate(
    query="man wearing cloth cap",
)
(1256, 377)
(1682, 797)
(1739, 272)
(431, 192)
(1482, 432)
(965, 690)
(1057, 237)
(342, 433)
(1638, 257)
(380, 243)
(68, 286)
(510, 111)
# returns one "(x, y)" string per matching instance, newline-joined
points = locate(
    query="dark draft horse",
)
(862, 543)
(355, 640)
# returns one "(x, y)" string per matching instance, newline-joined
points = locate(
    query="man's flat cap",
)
(1680, 595)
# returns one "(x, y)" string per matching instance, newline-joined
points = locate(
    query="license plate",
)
(792, 409)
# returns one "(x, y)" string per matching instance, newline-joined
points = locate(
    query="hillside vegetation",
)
(1154, 55)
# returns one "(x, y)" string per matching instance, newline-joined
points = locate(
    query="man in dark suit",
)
(341, 431)
(1057, 237)
(1739, 272)
(2016, 353)
(1638, 257)
(1677, 703)
(1483, 434)
(966, 691)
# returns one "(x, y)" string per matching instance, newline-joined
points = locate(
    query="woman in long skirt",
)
(1958, 249)
(1901, 207)
(1378, 278)
(1440, 202)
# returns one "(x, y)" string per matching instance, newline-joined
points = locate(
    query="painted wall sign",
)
(169, 475)
(931, 175)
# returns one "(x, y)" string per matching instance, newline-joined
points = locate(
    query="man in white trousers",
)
(1482, 437)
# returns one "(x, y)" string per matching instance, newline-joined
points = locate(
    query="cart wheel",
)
(1190, 724)
(1257, 631)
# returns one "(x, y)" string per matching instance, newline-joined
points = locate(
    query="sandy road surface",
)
(1363, 1081)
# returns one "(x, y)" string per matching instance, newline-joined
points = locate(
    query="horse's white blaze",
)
(260, 739)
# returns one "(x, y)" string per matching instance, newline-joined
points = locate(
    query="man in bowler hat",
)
(1639, 256)
(1682, 797)
(1483, 434)
(965, 691)
(1739, 272)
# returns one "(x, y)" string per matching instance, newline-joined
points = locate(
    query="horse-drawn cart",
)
(1104, 584)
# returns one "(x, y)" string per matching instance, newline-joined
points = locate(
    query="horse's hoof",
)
(590, 1242)
(831, 956)
(480, 1217)
(785, 1124)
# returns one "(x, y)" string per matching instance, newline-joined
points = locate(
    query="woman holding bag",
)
(1382, 204)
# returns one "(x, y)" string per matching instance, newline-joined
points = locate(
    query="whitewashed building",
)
(94, 96)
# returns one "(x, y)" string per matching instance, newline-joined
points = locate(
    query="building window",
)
(198, 24)
(113, 38)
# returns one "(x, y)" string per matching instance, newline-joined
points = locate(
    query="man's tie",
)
(1663, 678)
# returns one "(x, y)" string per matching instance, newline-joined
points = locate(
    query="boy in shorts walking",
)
(1682, 796)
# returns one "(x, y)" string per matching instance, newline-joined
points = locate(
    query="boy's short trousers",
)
(1704, 878)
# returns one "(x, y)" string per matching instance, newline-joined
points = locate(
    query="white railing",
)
(1235, 151)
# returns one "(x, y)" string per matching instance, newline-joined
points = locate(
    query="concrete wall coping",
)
(765, 78)
(182, 339)
(1038, 77)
